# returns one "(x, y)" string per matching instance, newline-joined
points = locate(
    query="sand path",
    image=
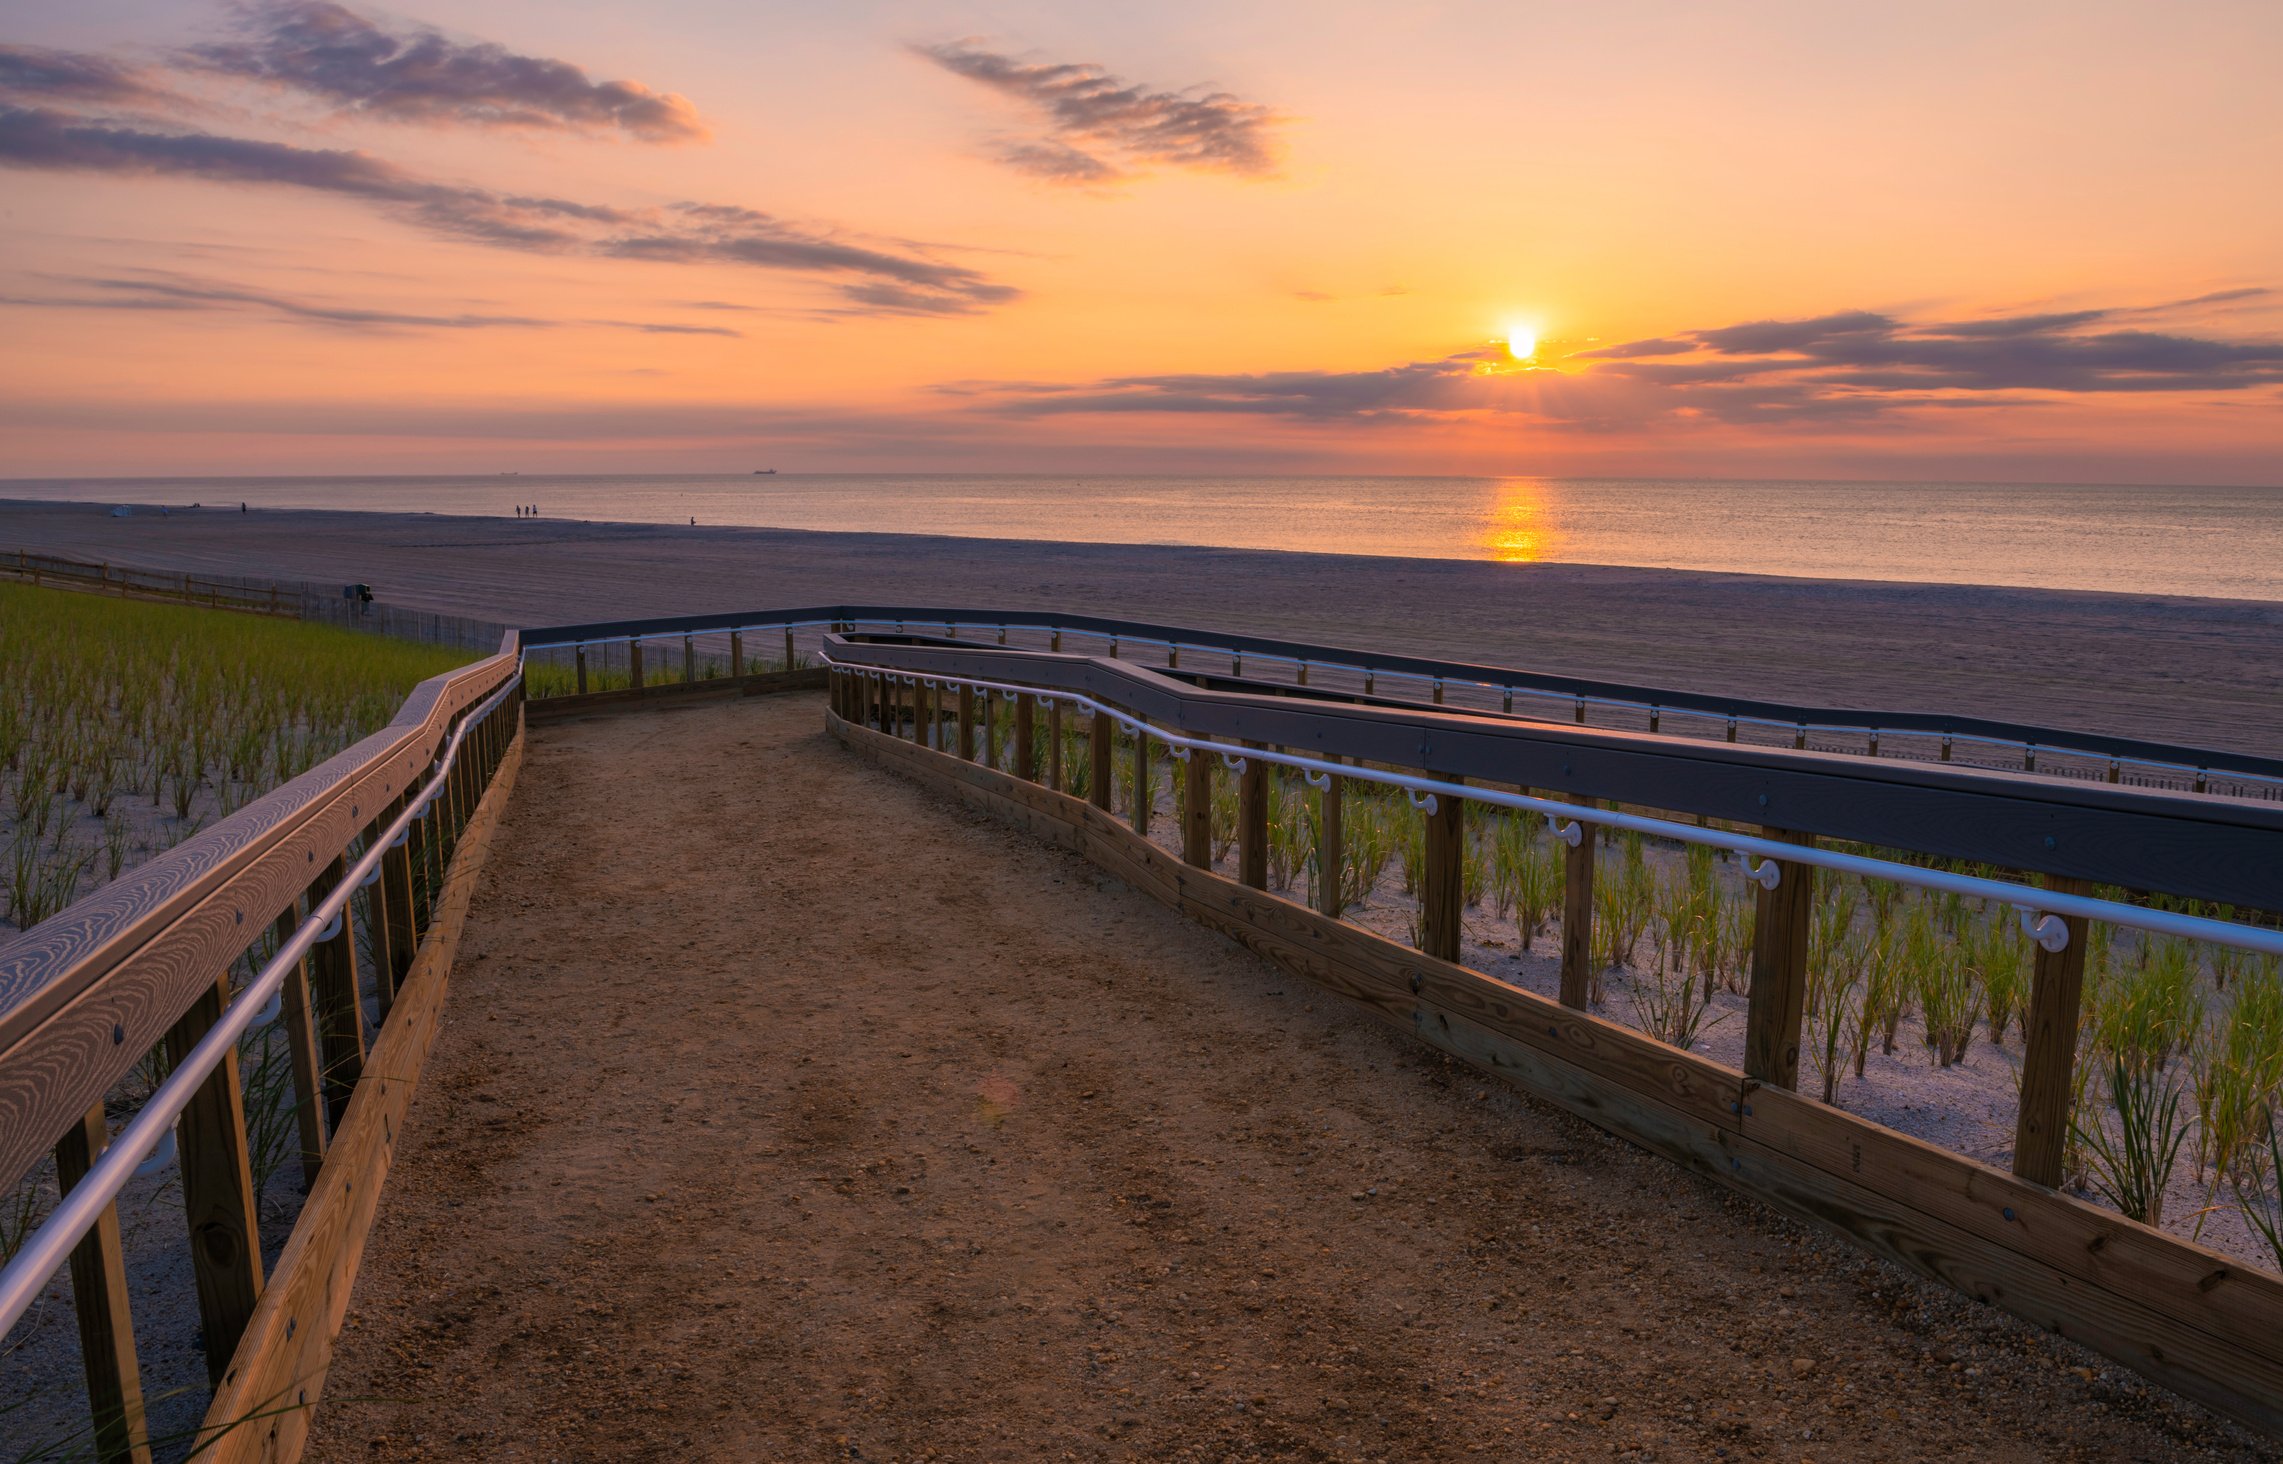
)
(785, 1111)
(2205, 672)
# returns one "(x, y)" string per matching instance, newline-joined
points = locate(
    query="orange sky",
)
(2011, 242)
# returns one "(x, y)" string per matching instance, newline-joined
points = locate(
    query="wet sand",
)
(2208, 672)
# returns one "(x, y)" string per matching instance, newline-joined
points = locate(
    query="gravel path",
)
(785, 1111)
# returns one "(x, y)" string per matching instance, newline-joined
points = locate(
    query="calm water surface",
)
(2189, 541)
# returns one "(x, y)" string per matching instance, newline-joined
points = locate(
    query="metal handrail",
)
(1736, 712)
(50, 1245)
(2033, 902)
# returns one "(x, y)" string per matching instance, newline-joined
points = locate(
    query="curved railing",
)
(971, 718)
(144, 963)
(1901, 735)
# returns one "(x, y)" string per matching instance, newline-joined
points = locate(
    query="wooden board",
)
(87, 993)
(2203, 1324)
(261, 1408)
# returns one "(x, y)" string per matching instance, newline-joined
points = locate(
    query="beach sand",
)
(2208, 672)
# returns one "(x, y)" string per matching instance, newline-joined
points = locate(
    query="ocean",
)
(2224, 542)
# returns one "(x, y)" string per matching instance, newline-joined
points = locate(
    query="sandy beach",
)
(2208, 672)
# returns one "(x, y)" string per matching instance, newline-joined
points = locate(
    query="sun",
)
(1521, 341)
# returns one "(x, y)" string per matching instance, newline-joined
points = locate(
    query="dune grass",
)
(125, 727)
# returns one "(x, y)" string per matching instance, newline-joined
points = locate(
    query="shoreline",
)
(11, 506)
(2203, 671)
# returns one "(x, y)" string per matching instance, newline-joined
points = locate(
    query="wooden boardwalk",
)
(785, 1111)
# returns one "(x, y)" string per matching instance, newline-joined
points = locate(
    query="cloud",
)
(1056, 162)
(418, 74)
(163, 292)
(2059, 351)
(878, 280)
(79, 78)
(1100, 127)
(1854, 368)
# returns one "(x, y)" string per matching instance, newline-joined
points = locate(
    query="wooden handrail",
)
(2030, 742)
(2197, 846)
(2203, 1323)
(85, 994)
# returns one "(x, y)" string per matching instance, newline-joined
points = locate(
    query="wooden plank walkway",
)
(784, 1111)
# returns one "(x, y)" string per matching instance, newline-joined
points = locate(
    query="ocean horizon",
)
(2219, 542)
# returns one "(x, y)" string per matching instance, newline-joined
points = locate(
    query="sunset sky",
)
(1957, 241)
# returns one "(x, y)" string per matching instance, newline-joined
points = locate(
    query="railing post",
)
(967, 723)
(1252, 824)
(582, 662)
(382, 945)
(736, 654)
(1098, 747)
(301, 1055)
(340, 1016)
(1026, 750)
(2049, 1056)
(1197, 808)
(789, 656)
(1331, 846)
(689, 659)
(1054, 777)
(1777, 1000)
(99, 1297)
(634, 662)
(416, 839)
(1577, 917)
(919, 713)
(1145, 791)
(217, 1187)
(990, 730)
(1443, 887)
(454, 805)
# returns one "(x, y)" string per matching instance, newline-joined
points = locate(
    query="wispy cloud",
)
(2057, 351)
(34, 74)
(167, 292)
(871, 279)
(1852, 368)
(419, 74)
(1101, 127)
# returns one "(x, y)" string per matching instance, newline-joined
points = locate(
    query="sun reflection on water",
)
(1520, 528)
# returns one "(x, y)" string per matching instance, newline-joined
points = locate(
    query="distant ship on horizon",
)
(764, 472)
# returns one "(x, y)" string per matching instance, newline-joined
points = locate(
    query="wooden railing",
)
(145, 962)
(145, 965)
(678, 651)
(2206, 1324)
